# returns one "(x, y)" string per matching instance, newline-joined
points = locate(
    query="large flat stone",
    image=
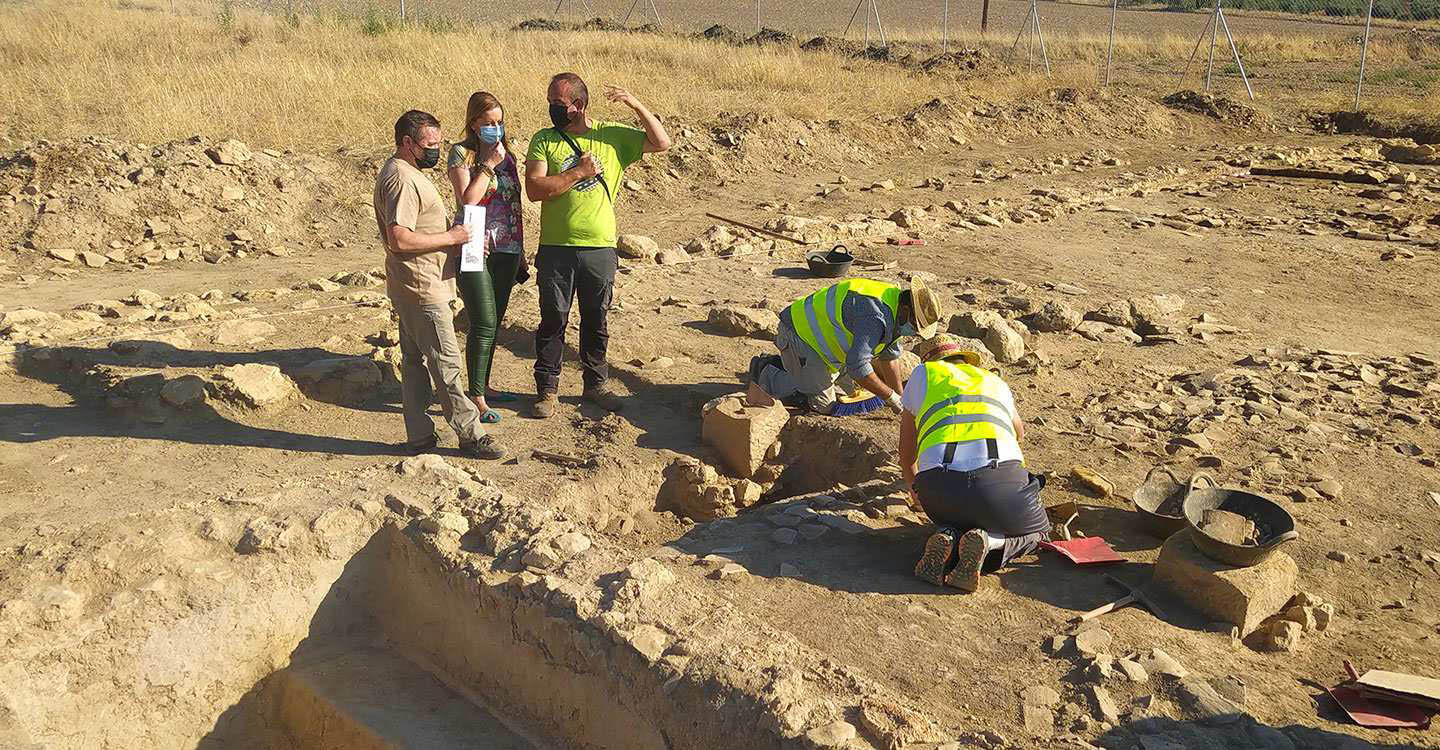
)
(742, 434)
(1242, 597)
(340, 380)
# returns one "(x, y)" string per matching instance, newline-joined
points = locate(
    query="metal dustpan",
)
(1085, 550)
(1373, 712)
(1377, 714)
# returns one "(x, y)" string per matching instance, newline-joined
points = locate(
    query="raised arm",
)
(656, 139)
(490, 157)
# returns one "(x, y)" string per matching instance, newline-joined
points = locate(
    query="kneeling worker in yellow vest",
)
(849, 330)
(960, 453)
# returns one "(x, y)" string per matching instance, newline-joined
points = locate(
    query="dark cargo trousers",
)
(563, 273)
(1002, 499)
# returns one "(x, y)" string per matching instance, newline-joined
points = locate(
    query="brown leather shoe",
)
(423, 445)
(604, 397)
(484, 448)
(545, 405)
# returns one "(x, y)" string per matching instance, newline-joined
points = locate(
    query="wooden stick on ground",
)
(558, 458)
(753, 228)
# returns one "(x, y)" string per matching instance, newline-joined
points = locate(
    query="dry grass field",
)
(74, 68)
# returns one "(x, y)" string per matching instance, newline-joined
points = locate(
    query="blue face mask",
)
(905, 329)
(492, 133)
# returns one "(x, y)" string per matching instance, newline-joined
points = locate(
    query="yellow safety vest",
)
(817, 318)
(964, 403)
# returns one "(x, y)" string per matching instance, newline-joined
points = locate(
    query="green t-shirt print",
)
(584, 216)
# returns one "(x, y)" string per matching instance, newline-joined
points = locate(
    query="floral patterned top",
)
(504, 225)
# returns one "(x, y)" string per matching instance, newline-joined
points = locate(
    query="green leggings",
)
(486, 295)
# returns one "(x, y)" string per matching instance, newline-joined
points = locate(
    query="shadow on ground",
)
(66, 368)
(1242, 731)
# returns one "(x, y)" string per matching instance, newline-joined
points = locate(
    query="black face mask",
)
(429, 158)
(559, 115)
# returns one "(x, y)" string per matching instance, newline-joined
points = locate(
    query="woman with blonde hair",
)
(482, 169)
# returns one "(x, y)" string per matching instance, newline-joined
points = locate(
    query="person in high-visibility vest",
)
(846, 332)
(960, 454)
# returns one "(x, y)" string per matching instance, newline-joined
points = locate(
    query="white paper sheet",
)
(472, 254)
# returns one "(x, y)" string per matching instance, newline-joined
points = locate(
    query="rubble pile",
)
(95, 201)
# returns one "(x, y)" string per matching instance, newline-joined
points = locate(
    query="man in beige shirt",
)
(420, 266)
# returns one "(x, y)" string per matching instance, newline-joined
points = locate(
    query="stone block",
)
(730, 320)
(1243, 597)
(256, 385)
(340, 380)
(742, 434)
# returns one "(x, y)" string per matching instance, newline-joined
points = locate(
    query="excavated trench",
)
(415, 644)
(409, 648)
(359, 673)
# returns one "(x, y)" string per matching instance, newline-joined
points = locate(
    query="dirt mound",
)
(648, 28)
(830, 44)
(771, 36)
(962, 59)
(721, 33)
(891, 53)
(1221, 108)
(1062, 112)
(96, 201)
(1368, 123)
(540, 24)
(600, 24)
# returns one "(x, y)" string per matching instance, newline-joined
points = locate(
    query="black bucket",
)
(832, 264)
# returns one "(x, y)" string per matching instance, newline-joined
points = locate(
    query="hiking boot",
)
(939, 551)
(484, 448)
(423, 445)
(545, 405)
(604, 397)
(758, 364)
(971, 557)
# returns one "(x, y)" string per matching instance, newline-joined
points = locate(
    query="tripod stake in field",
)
(1364, 52)
(872, 14)
(1216, 23)
(1032, 33)
(569, 5)
(653, 11)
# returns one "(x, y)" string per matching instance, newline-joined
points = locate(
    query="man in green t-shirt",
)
(574, 169)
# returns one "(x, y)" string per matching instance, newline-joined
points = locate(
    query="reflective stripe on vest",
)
(963, 403)
(818, 322)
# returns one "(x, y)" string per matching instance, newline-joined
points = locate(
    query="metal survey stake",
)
(1217, 21)
(1031, 31)
(1110, 46)
(1364, 50)
(653, 11)
(872, 12)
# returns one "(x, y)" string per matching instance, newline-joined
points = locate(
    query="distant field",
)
(1283, 52)
(171, 48)
(913, 17)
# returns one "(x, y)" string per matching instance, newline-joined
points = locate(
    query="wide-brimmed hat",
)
(945, 346)
(926, 307)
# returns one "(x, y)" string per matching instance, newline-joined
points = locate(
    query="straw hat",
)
(927, 309)
(945, 346)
